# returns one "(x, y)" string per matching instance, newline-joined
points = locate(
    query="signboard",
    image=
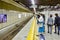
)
(33, 6)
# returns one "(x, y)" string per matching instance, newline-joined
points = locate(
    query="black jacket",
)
(57, 19)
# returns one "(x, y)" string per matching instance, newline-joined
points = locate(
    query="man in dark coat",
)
(57, 24)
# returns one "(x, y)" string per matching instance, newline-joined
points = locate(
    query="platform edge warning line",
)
(30, 35)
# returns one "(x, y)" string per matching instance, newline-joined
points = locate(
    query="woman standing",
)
(41, 24)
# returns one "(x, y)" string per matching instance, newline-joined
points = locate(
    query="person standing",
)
(38, 16)
(41, 24)
(50, 24)
(41, 19)
(57, 23)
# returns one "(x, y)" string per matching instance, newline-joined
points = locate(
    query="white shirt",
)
(41, 19)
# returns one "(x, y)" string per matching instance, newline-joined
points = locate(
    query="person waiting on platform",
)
(38, 16)
(41, 24)
(50, 24)
(57, 23)
(41, 19)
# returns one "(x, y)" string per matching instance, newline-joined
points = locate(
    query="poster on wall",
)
(3, 18)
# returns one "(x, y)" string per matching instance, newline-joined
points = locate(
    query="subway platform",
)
(18, 20)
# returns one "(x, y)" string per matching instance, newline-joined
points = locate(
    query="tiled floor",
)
(52, 36)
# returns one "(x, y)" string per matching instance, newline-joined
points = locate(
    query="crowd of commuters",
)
(50, 22)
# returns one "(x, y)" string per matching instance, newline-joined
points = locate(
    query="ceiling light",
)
(33, 2)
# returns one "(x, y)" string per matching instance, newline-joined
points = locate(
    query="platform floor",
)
(23, 34)
(52, 36)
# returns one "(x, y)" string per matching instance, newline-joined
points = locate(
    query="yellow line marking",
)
(33, 31)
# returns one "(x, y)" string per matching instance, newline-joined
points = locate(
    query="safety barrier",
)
(33, 31)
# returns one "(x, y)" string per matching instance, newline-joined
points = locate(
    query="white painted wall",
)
(47, 13)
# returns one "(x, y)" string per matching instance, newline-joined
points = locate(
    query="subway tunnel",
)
(19, 19)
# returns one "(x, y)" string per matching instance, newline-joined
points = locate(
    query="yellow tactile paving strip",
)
(33, 31)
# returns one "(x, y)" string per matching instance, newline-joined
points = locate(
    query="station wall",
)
(47, 13)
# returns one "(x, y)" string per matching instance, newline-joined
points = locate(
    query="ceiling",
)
(40, 2)
(27, 3)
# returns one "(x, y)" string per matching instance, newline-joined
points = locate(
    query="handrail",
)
(33, 31)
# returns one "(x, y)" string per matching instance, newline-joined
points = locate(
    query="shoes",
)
(48, 32)
(58, 33)
(55, 32)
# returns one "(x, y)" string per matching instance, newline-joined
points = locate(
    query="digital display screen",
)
(3, 18)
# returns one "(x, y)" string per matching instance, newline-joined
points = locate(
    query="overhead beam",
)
(11, 5)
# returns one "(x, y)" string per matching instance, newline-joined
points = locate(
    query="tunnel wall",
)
(14, 11)
(13, 16)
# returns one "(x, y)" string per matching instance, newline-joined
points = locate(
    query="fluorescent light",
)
(33, 2)
(34, 10)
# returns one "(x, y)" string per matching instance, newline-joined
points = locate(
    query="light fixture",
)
(33, 6)
(33, 2)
